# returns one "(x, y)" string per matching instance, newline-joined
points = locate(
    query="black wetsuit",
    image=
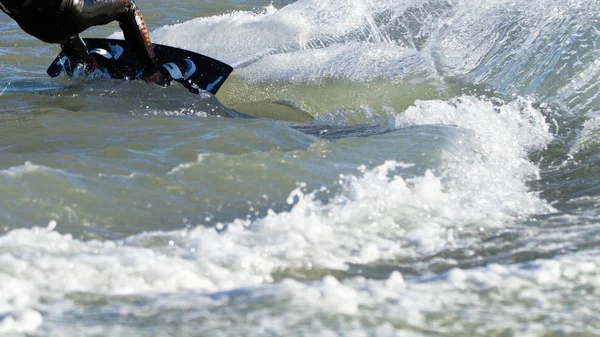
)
(60, 21)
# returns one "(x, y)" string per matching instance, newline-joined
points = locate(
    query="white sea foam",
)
(504, 135)
(378, 215)
(239, 35)
(17, 296)
(474, 41)
(353, 61)
(303, 41)
(26, 168)
(496, 297)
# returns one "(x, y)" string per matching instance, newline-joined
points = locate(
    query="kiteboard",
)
(196, 72)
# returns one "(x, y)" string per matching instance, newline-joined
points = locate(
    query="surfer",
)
(61, 21)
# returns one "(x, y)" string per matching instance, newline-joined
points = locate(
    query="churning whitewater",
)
(370, 168)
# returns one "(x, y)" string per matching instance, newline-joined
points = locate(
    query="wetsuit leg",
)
(82, 14)
(136, 34)
(75, 49)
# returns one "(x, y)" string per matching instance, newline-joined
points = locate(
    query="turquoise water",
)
(370, 168)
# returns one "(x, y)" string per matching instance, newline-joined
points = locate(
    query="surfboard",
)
(198, 73)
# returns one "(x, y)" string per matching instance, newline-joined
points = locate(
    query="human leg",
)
(74, 48)
(83, 14)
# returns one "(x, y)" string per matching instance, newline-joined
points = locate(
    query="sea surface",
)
(370, 168)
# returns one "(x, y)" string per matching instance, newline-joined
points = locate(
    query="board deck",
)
(196, 72)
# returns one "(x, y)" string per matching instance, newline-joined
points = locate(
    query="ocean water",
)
(370, 168)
